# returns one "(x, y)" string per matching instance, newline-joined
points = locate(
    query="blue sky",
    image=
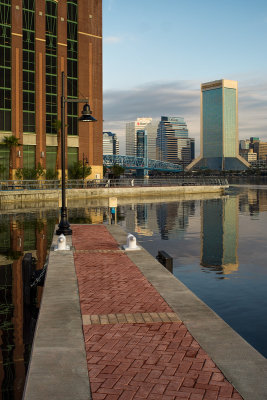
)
(156, 54)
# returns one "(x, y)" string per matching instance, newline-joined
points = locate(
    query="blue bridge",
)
(140, 164)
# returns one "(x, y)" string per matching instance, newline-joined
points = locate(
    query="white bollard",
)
(61, 243)
(131, 243)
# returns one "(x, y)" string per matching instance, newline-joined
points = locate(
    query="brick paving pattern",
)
(127, 358)
(128, 318)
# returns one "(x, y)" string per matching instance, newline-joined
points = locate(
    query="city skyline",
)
(153, 85)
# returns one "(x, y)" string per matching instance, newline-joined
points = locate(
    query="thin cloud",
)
(253, 110)
(110, 4)
(152, 100)
(181, 98)
(112, 39)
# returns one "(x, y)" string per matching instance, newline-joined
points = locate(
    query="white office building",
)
(110, 144)
(131, 138)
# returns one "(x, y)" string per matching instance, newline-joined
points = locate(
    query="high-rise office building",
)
(141, 143)
(151, 127)
(219, 127)
(260, 148)
(110, 143)
(173, 140)
(39, 39)
(250, 156)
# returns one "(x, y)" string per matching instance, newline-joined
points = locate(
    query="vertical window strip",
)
(28, 68)
(29, 156)
(51, 66)
(5, 65)
(72, 65)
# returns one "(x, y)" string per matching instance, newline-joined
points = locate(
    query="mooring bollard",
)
(131, 243)
(61, 243)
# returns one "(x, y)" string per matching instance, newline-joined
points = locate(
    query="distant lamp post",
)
(64, 226)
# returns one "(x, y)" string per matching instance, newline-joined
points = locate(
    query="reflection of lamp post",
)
(64, 226)
(85, 161)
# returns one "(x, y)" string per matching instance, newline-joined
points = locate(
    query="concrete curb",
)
(93, 193)
(241, 364)
(58, 367)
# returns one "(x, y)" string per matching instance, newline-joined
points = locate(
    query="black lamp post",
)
(64, 226)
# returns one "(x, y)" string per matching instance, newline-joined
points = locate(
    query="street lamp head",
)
(87, 114)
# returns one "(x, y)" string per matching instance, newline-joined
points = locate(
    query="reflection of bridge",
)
(140, 163)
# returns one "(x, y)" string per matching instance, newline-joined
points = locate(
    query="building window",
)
(51, 157)
(28, 157)
(72, 66)
(73, 156)
(5, 65)
(51, 65)
(4, 162)
(28, 68)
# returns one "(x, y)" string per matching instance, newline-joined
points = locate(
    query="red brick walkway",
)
(136, 346)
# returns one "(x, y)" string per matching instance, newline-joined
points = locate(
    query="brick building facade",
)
(38, 40)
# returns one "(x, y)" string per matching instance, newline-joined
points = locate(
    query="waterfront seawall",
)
(108, 308)
(21, 196)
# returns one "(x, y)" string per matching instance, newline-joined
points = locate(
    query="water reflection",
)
(167, 219)
(253, 201)
(201, 233)
(17, 319)
(219, 235)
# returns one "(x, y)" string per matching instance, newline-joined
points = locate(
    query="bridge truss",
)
(132, 162)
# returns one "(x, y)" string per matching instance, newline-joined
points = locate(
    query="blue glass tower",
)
(219, 127)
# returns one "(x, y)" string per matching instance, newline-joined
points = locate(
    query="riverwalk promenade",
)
(116, 324)
(18, 193)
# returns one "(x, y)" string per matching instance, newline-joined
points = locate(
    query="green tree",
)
(30, 173)
(2, 170)
(117, 170)
(10, 142)
(51, 174)
(79, 171)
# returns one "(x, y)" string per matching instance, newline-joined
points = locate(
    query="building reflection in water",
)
(169, 219)
(219, 234)
(173, 218)
(253, 201)
(20, 234)
(17, 319)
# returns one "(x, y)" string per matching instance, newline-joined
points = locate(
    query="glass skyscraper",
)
(219, 127)
(172, 139)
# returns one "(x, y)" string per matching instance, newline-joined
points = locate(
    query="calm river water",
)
(218, 245)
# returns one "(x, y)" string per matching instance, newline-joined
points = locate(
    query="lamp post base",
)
(64, 226)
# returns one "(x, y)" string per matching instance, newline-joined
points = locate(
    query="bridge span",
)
(140, 164)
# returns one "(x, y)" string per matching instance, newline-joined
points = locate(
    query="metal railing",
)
(107, 183)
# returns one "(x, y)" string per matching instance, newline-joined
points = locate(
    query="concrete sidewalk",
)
(134, 328)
